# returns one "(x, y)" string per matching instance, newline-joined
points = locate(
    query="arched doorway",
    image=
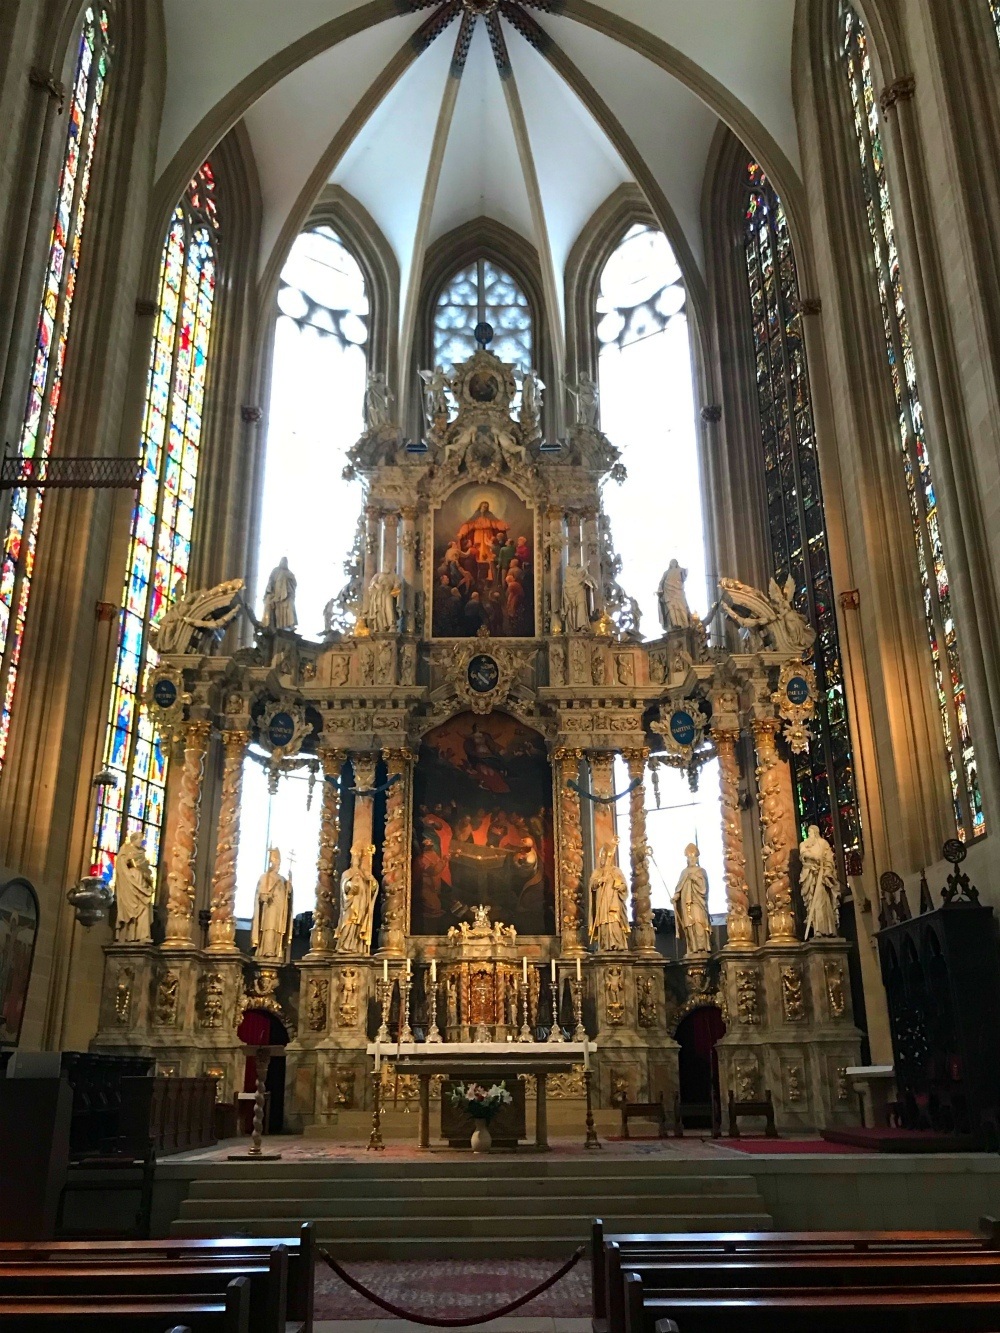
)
(698, 1064)
(258, 1027)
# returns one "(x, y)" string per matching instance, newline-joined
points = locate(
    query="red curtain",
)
(254, 1030)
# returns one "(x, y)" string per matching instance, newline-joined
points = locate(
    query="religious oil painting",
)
(482, 827)
(484, 564)
(18, 928)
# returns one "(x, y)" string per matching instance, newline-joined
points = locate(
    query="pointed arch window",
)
(942, 631)
(995, 12)
(824, 777)
(39, 424)
(482, 292)
(160, 542)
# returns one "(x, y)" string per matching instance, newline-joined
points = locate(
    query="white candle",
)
(385, 969)
(524, 961)
(407, 967)
(434, 971)
(578, 969)
(553, 965)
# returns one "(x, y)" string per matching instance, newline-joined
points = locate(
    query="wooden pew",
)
(187, 1252)
(228, 1312)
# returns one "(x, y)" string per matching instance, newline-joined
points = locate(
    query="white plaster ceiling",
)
(295, 75)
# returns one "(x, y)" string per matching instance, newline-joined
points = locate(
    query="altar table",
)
(486, 1062)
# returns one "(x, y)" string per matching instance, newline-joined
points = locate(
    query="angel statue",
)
(436, 386)
(133, 888)
(818, 883)
(196, 617)
(771, 616)
(358, 891)
(586, 399)
(377, 402)
(674, 610)
(609, 901)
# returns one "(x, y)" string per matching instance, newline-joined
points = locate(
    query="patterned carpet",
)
(455, 1289)
(294, 1148)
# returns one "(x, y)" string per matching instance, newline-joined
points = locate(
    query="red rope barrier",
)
(465, 1320)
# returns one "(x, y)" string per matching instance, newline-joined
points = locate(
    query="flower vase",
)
(482, 1139)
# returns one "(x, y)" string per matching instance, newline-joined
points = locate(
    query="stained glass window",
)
(482, 292)
(160, 543)
(83, 120)
(824, 778)
(995, 11)
(941, 629)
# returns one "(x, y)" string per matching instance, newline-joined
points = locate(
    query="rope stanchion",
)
(464, 1321)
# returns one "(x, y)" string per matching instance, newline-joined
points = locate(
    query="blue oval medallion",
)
(797, 690)
(281, 729)
(682, 727)
(482, 673)
(164, 693)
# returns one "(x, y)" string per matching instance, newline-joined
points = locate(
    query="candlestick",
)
(433, 1032)
(385, 987)
(579, 1032)
(405, 1031)
(525, 1034)
(555, 1032)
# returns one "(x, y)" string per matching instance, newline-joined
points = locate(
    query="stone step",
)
(428, 1189)
(451, 1209)
(498, 1165)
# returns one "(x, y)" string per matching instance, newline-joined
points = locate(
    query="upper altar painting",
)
(484, 564)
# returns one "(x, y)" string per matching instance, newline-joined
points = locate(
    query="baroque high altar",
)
(466, 717)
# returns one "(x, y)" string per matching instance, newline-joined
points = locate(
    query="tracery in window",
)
(648, 412)
(941, 629)
(160, 542)
(310, 511)
(480, 293)
(83, 120)
(824, 777)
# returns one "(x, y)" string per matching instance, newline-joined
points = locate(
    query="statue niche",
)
(484, 564)
(482, 826)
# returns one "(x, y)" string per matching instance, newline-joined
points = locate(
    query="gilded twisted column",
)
(570, 858)
(399, 764)
(777, 818)
(643, 935)
(602, 777)
(184, 839)
(408, 543)
(555, 544)
(222, 923)
(739, 927)
(321, 940)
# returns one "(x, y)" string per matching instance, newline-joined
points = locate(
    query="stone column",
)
(569, 861)
(321, 941)
(643, 935)
(408, 542)
(778, 830)
(390, 540)
(739, 927)
(555, 544)
(372, 543)
(395, 855)
(184, 844)
(602, 776)
(222, 925)
(364, 779)
(591, 558)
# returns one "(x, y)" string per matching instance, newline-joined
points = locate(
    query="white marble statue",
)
(279, 598)
(586, 399)
(379, 608)
(579, 590)
(674, 610)
(436, 386)
(358, 891)
(378, 400)
(532, 388)
(271, 933)
(770, 615)
(609, 901)
(691, 905)
(133, 888)
(195, 615)
(818, 883)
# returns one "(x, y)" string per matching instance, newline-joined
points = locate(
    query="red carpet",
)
(769, 1147)
(453, 1289)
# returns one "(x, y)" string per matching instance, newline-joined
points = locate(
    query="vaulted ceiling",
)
(436, 112)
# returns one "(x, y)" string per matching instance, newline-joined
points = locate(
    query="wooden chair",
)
(645, 1111)
(688, 1111)
(764, 1108)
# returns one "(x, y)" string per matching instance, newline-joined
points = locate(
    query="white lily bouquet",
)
(479, 1102)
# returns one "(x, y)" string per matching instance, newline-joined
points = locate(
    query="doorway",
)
(698, 1065)
(258, 1027)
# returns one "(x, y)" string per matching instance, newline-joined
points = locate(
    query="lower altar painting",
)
(484, 564)
(483, 827)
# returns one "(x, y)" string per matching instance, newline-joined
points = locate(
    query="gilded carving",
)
(777, 824)
(123, 996)
(321, 940)
(570, 849)
(748, 995)
(211, 999)
(739, 927)
(564, 1087)
(184, 836)
(794, 1084)
(643, 935)
(746, 1077)
(646, 991)
(614, 995)
(345, 1088)
(395, 858)
(347, 1003)
(842, 1087)
(792, 996)
(834, 973)
(165, 1001)
(619, 1087)
(222, 924)
(316, 1005)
